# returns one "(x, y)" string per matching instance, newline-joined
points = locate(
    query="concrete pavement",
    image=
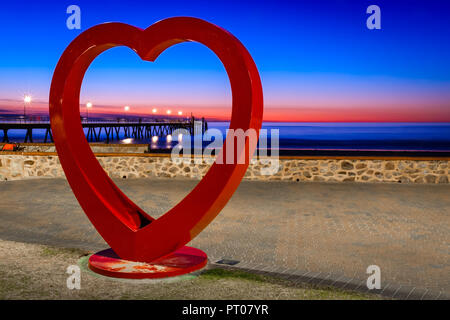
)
(323, 233)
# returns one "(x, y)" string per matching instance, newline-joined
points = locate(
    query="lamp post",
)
(26, 100)
(126, 109)
(88, 106)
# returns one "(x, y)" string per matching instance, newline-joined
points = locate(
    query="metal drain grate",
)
(228, 262)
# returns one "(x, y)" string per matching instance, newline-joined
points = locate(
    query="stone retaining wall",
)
(23, 166)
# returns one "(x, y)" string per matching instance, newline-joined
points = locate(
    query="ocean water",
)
(361, 136)
(327, 136)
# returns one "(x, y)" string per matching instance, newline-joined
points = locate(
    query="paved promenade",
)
(316, 232)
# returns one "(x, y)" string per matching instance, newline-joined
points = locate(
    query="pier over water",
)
(113, 130)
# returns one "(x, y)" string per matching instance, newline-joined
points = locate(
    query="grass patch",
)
(30, 271)
(17, 284)
(302, 290)
(48, 251)
(212, 274)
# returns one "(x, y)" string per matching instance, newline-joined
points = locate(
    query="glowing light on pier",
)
(126, 108)
(155, 139)
(88, 106)
(154, 110)
(169, 111)
(169, 138)
(26, 100)
(180, 113)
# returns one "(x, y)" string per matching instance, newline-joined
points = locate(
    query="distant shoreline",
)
(385, 139)
(347, 153)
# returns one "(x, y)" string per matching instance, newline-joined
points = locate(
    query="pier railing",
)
(112, 129)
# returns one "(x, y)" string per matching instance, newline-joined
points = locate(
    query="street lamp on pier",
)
(88, 106)
(126, 109)
(26, 100)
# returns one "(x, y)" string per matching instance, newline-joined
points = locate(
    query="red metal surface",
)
(123, 225)
(182, 261)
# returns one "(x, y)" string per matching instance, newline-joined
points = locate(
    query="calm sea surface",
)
(331, 136)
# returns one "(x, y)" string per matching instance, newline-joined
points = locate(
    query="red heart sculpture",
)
(130, 232)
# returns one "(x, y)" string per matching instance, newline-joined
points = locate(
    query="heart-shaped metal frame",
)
(130, 232)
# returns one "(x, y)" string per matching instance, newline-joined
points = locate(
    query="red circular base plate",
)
(182, 261)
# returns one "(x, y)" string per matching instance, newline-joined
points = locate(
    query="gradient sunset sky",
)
(317, 59)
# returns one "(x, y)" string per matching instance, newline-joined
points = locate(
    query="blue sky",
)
(310, 54)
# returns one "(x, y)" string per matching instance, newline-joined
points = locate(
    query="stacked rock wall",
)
(133, 165)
